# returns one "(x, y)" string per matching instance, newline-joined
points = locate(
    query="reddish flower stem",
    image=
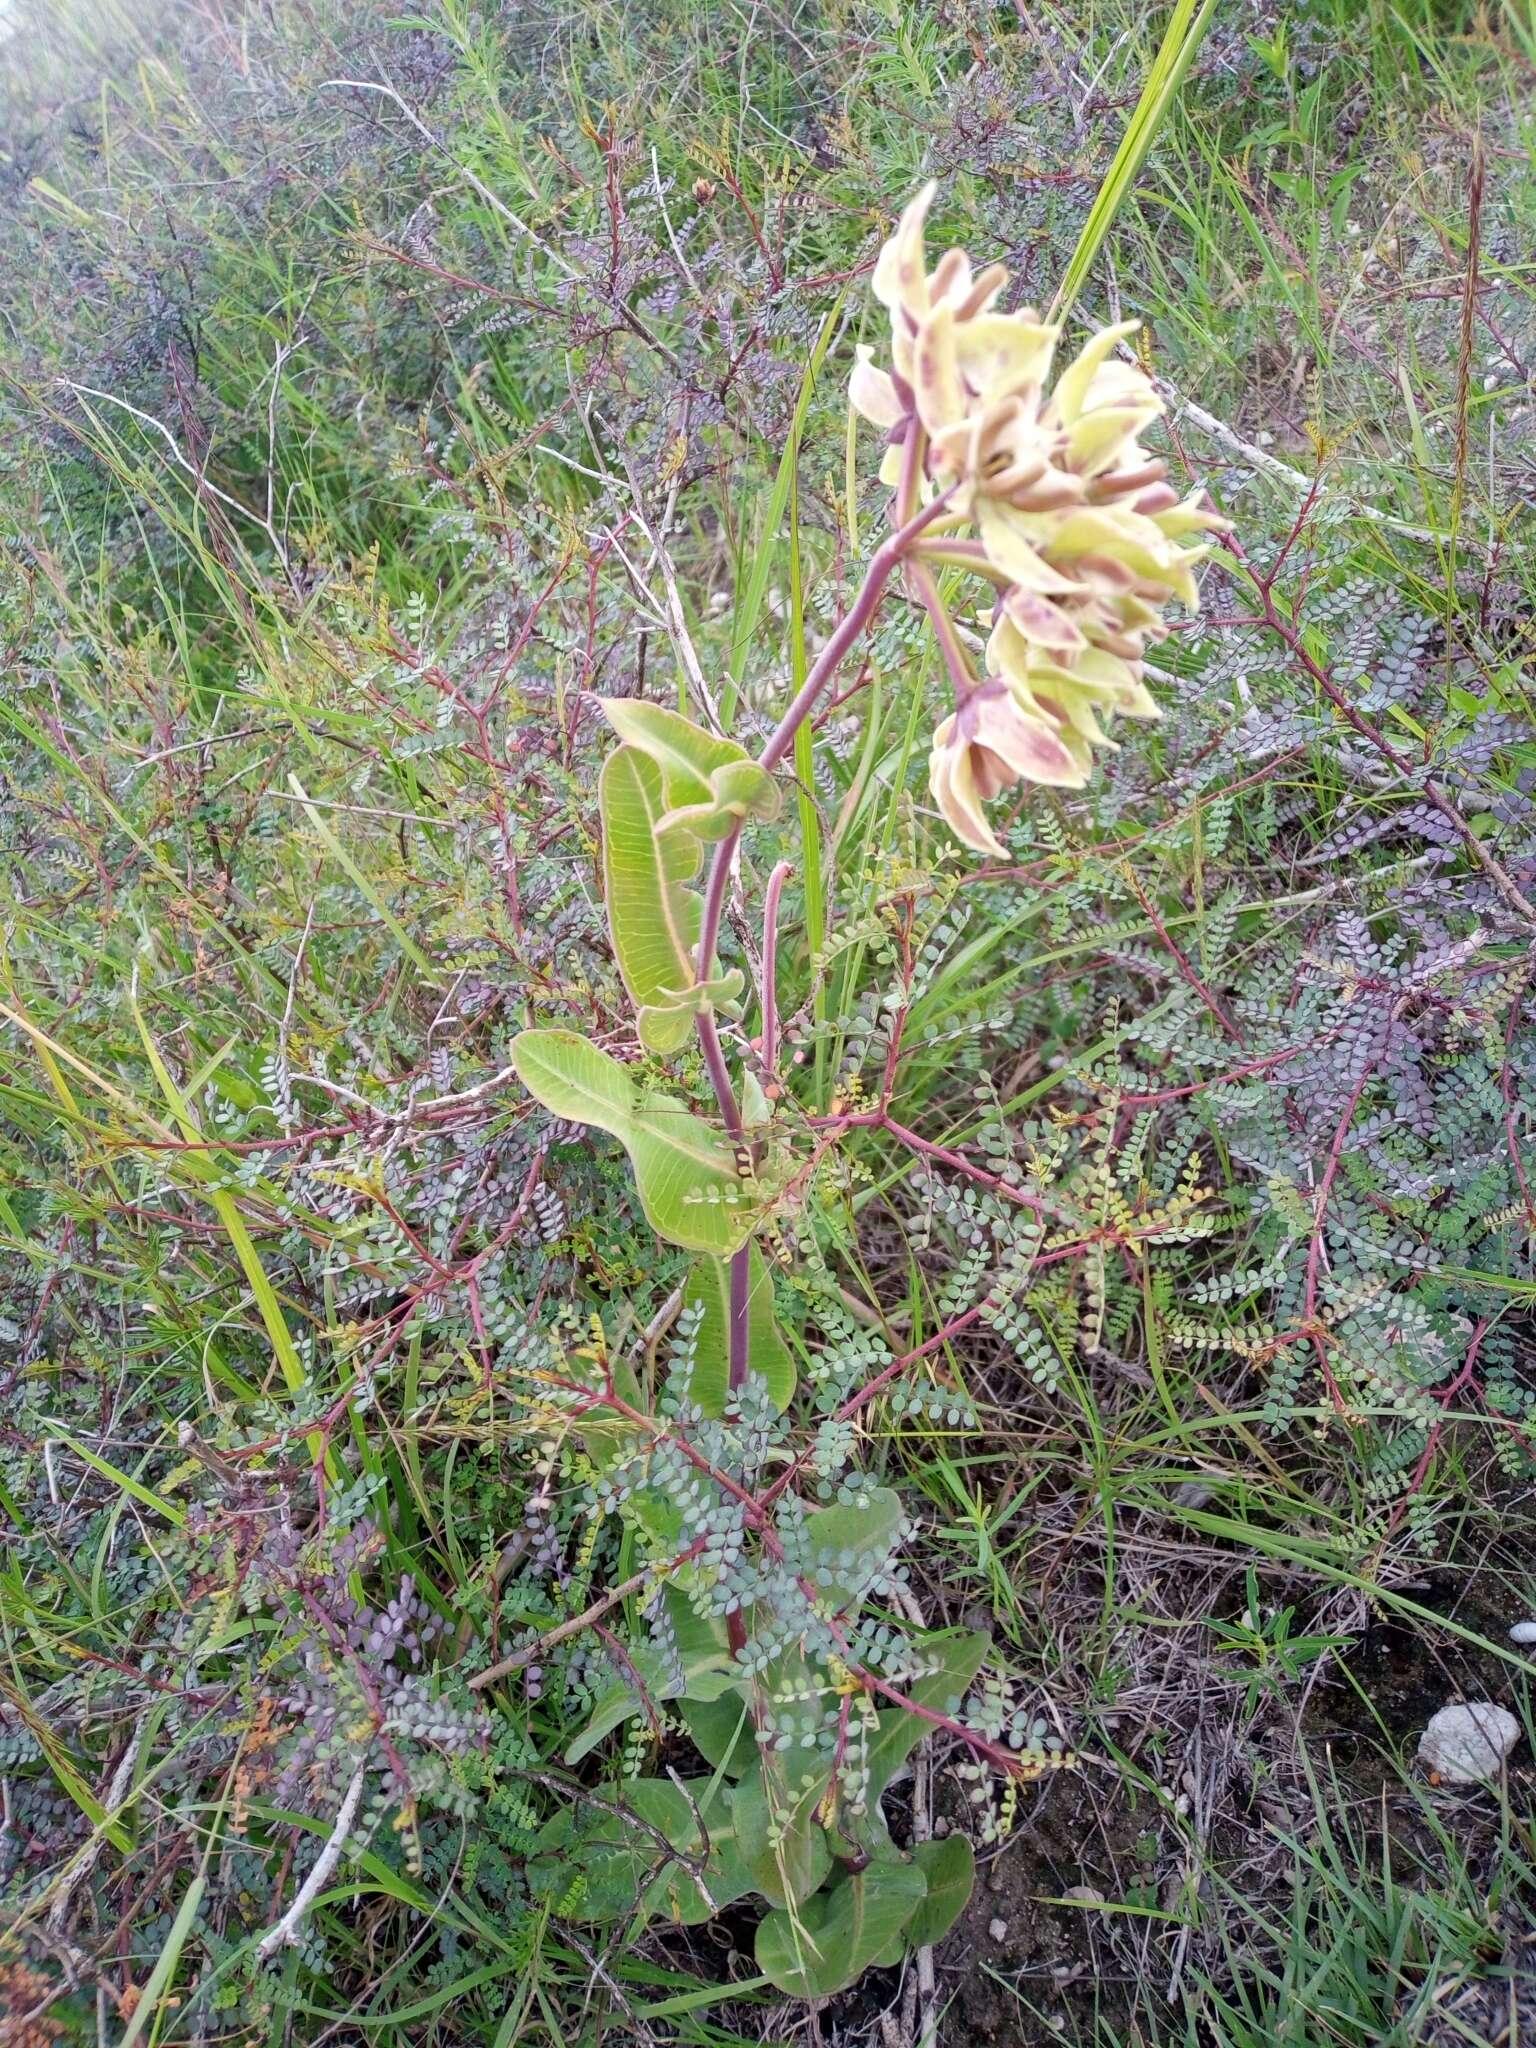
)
(855, 622)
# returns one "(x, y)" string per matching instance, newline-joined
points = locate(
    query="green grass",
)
(316, 536)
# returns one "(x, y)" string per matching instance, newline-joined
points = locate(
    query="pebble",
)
(1083, 1895)
(1523, 1632)
(998, 1929)
(1467, 1744)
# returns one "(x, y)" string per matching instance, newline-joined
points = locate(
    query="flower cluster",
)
(1075, 524)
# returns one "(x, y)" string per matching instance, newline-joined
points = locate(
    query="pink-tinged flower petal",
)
(1074, 723)
(990, 439)
(1114, 684)
(1054, 491)
(983, 292)
(900, 273)
(990, 742)
(1135, 615)
(1110, 530)
(1117, 383)
(1016, 479)
(1007, 543)
(1030, 747)
(1129, 484)
(1104, 573)
(1160, 498)
(951, 280)
(1072, 385)
(872, 393)
(1135, 700)
(935, 372)
(954, 792)
(1041, 621)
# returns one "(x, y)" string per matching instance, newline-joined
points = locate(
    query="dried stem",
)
(588, 1617)
(286, 1932)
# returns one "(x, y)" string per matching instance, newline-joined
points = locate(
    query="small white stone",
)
(1523, 1632)
(1468, 1744)
(997, 1929)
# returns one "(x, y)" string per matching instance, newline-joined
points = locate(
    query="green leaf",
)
(686, 1172)
(826, 1947)
(174, 1515)
(625, 1866)
(606, 1437)
(722, 1731)
(846, 1541)
(955, 1657)
(756, 1109)
(618, 1704)
(781, 1842)
(1186, 25)
(709, 783)
(709, 1286)
(708, 1673)
(160, 1977)
(950, 1870)
(653, 919)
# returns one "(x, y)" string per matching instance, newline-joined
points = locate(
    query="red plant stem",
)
(868, 1392)
(1152, 1098)
(1445, 1397)
(741, 1304)
(855, 622)
(961, 678)
(1001, 1759)
(890, 553)
(960, 1164)
(1181, 959)
(606, 1398)
(719, 1073)
(736, 1627)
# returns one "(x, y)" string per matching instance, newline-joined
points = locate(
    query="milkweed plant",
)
(770, 1560)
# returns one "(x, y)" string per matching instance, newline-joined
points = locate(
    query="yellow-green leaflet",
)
(710, 783)
(654, 920)
(686, 1172)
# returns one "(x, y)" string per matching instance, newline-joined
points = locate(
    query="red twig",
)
(1288, 631)
(1445, 1397)
(1181, 959)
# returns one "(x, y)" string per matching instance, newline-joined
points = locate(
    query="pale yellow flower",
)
(1080, 533)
